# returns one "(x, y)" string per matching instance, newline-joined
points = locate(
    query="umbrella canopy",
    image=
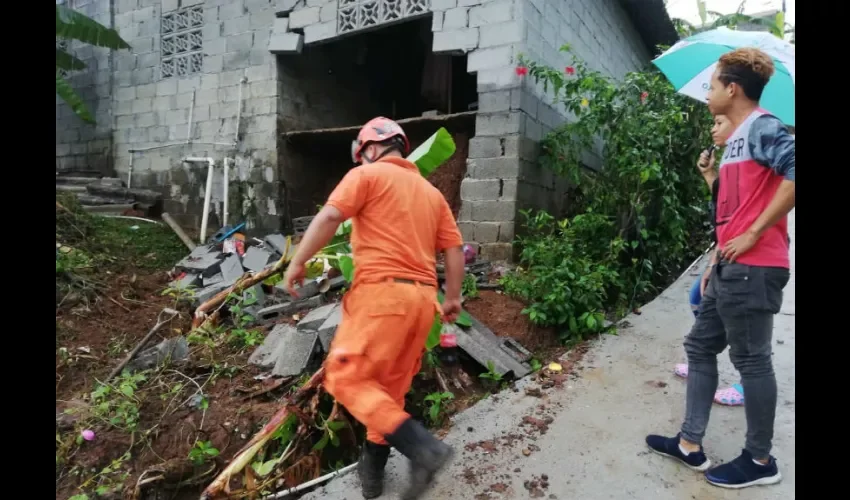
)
(690, 63)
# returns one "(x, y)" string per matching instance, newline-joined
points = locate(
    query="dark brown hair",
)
(750, 68)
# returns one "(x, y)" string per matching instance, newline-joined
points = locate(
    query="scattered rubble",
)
(291, 350)
(175, 349)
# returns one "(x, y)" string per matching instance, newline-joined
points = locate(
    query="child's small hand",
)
(706, 162)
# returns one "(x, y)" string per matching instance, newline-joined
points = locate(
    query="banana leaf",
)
(64, 90)
(433, 152)
(73, 25)
(68, 62)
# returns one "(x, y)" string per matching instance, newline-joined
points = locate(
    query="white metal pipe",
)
(191, 116)
(205, 217)
(130, 172)
(309, 484)
(160, 146)
(226, 189)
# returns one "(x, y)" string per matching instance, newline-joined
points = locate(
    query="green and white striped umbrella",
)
(690, 63)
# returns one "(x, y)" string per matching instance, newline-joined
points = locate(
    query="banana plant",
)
(72, 25)
(428, 157)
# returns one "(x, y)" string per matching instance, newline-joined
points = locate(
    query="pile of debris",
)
(290, 348)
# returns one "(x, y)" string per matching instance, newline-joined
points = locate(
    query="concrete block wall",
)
(81, 146)
(599, 32)
(137, 108)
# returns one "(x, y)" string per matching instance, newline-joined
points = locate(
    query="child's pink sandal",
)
(732, 396)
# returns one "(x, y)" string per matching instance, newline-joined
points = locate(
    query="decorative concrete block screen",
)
(182, 42)
(354, 15)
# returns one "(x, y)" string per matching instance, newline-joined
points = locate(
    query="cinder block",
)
(484, 147)
(497, 124)
(477, 190)
(495, 252)
(502, 33)
(497, 79)
(496, 57)
(506, 232)
(328, 13)
(286, 43)
(461, 40)
(470, 3)
(493, 168)
(438, 5)
(467, 230)
(437, 21)
(493, 211)
(486, 232)
(281, 25)
(495, 12)
(318, 32)
(456, 18)
(304, 17)
(235, 43)
(508, 190)
(491, 102)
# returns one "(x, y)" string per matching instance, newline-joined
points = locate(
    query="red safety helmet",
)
(378, 129)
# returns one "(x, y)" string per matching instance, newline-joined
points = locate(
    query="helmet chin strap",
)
(378, 157)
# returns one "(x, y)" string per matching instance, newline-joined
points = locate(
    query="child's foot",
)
(744, 472)
(681, 370)
(669, 447)
(732, 396)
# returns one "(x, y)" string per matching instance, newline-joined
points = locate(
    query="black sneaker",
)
(743, 472)
(669, 447)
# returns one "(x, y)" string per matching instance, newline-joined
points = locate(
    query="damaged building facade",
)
(275, 89)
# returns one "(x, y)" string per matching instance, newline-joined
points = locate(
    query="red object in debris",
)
(469, 254)
(448, 348)
(180, 276)
(240, 247)
(448, 340)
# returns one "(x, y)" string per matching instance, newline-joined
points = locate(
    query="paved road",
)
(594, 448)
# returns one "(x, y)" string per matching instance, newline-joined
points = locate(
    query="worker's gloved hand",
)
(450, 309)
(295, 273)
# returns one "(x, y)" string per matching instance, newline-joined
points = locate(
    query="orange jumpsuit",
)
(400, 221)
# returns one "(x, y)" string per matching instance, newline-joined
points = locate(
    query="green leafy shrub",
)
(634, 223)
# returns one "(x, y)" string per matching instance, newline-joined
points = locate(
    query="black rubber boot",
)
(373, 459)
(427, 455)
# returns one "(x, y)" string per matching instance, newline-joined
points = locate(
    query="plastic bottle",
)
(448, 346)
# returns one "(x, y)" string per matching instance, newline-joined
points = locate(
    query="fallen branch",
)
(243, 457)
(159, 322)
(246, 281)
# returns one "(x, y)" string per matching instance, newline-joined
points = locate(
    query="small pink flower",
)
(521, 70)
(88, 435)
(643, 96)
(570, 70)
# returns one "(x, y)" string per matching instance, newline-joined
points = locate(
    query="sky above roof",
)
(687, 9)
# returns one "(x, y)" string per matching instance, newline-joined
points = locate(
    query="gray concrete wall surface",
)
(80, 146)
(594, 448)
(514, 113)
(192, 61)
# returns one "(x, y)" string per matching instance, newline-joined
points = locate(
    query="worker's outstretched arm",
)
(450, 241)
(454, 279)
(318, 235)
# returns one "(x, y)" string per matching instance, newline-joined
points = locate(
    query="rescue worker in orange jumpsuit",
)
(399, 222)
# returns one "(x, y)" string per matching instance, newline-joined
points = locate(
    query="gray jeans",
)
(737, 310)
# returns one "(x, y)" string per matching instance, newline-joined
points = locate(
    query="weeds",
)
(436, 408)
(116, 404)
(202, 452)
(469, 287)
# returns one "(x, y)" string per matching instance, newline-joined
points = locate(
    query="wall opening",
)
(329, 90)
